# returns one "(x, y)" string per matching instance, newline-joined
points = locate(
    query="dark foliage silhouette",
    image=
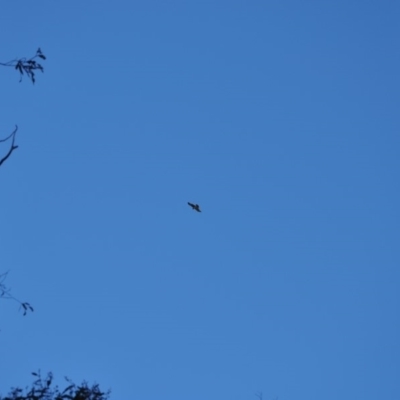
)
(27, 66)
(42, 389)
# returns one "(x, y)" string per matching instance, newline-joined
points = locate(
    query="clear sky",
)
(281, 119)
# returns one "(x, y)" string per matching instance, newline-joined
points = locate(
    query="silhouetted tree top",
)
(42, 389)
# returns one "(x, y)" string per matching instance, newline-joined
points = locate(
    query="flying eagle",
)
(195, 207)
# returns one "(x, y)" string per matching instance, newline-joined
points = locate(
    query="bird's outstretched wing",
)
(195, 206)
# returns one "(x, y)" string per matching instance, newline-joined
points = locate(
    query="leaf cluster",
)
(27, 66)
(42, 389)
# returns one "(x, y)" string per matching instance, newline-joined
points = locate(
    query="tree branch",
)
(27, 65)
(12, 147)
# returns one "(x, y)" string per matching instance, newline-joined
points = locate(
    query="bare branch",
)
(12, 147)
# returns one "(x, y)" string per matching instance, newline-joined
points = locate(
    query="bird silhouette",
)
(195, 207)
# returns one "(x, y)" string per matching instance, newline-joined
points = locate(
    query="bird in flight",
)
(195, 207)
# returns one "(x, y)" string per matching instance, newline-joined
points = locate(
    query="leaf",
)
(68, 388)
(42, 56)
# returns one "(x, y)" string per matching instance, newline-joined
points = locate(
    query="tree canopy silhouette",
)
(42, 389)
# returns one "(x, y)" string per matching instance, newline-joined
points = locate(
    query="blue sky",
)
(281, 119)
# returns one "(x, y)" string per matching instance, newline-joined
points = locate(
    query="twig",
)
(5, 294)
(13, 146)
(27, 65)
